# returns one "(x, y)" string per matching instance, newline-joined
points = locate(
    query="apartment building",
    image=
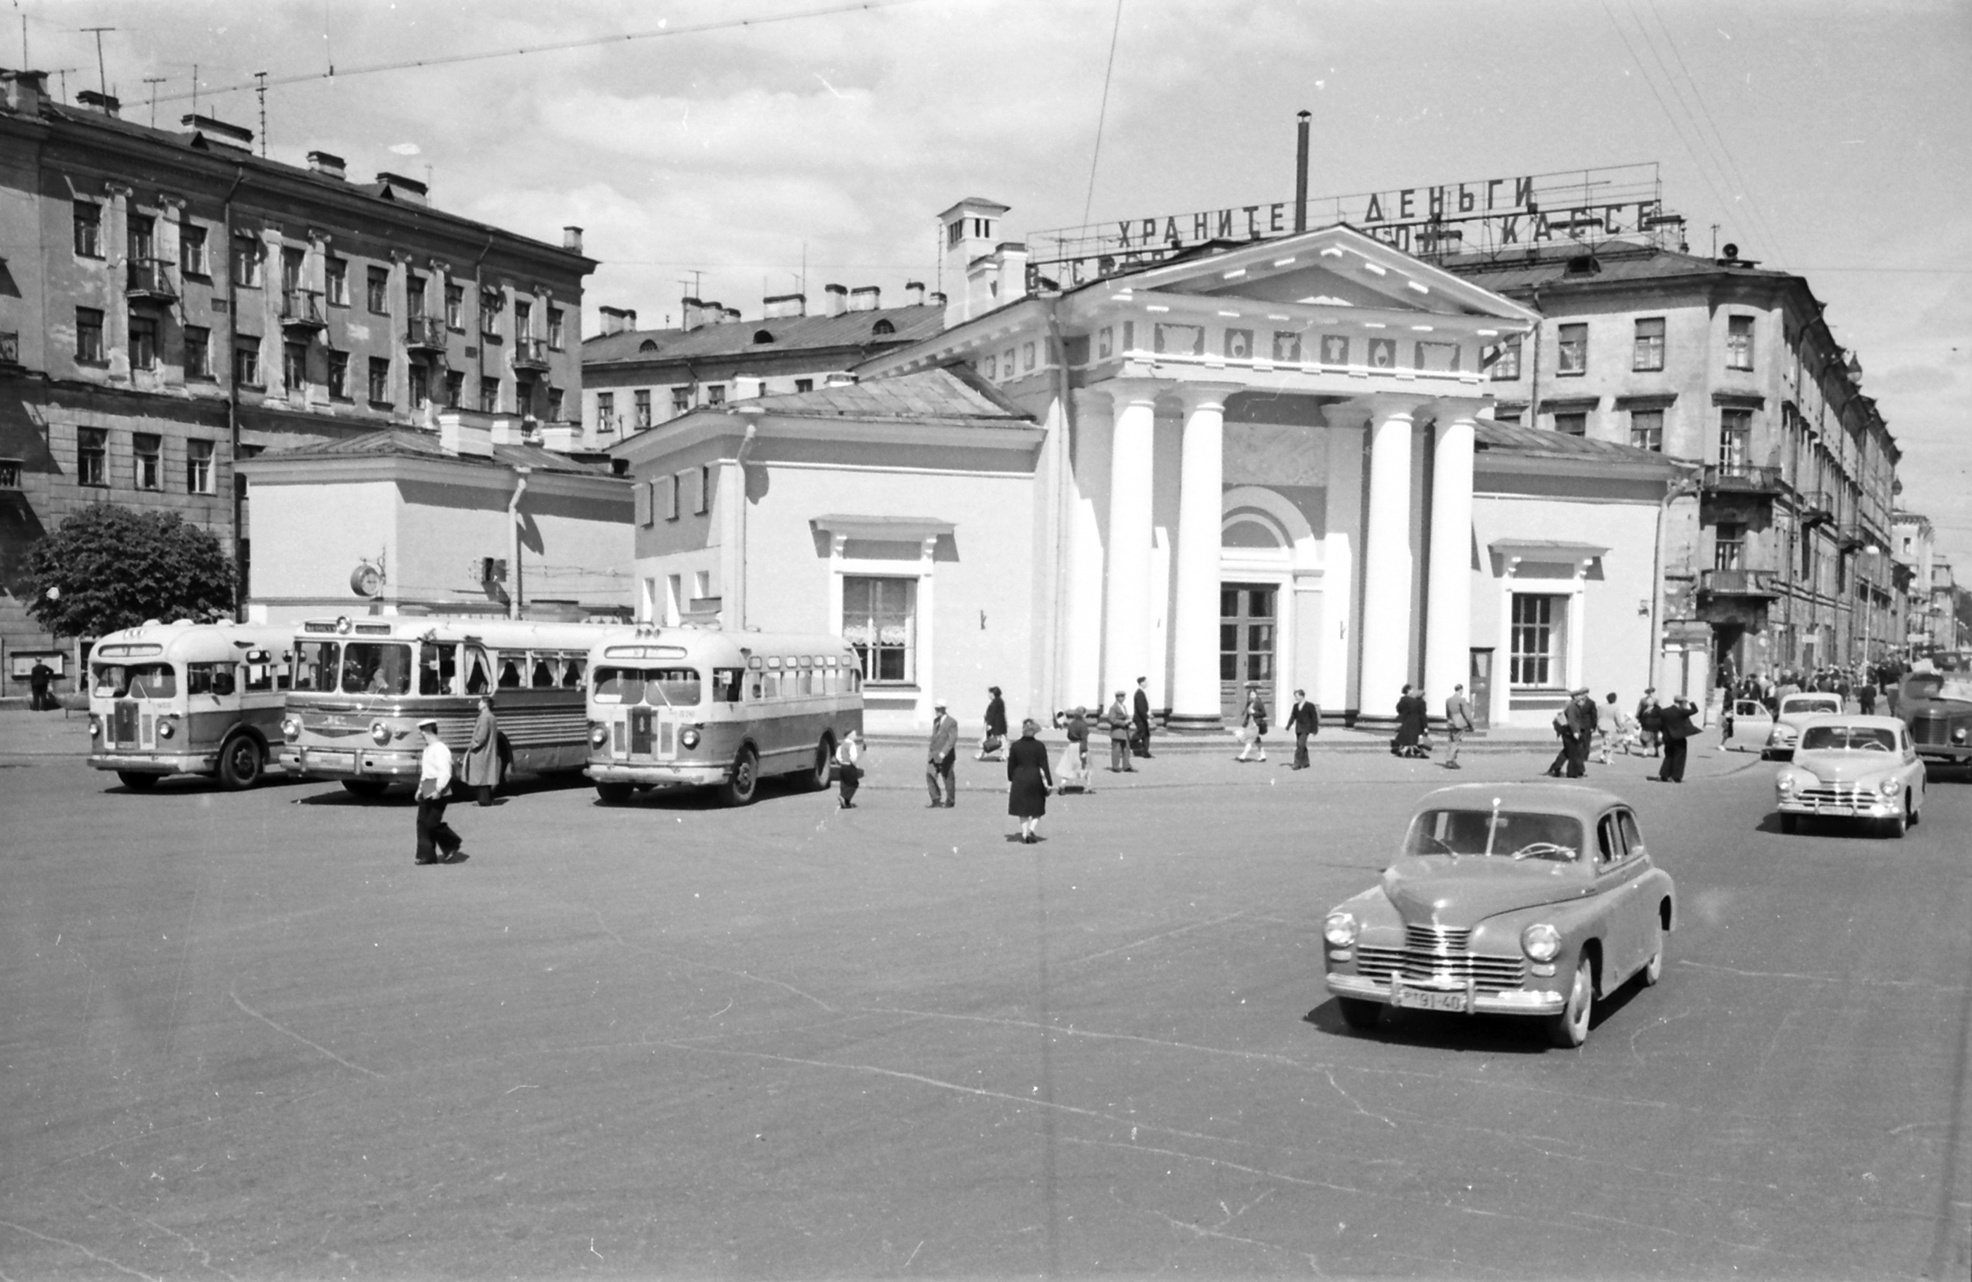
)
(1777, 552)
(177, 303)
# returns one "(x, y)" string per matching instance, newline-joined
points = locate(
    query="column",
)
(1341, 566)
(1448, 590)
(1387, 561)
(1195, 613)
(1081, 667)
(1126, 595)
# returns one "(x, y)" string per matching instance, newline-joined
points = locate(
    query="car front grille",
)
(1838, 794)
(1435, 955)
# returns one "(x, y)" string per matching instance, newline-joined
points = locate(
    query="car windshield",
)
(1940, 685)
(1511, 834)
(1849, 739)
(1812, 705)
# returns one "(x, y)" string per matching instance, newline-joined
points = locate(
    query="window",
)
(523, 318)
(491, 304)
(804, 384)
(293, 264)
(643, 408)
(702, 501)
(455, 306)
(414, 295)
(1506, 360)
(879, 619)
(1539, 633)
(338, 281)
(1735, 440)
(1647, 430)
(89, 335)
(557, 330)
(198, 467)
(148, 451)
(420, 381)
(294, 365)
(92, 457)
(667, 492)
(554, 403)
(1572, 349)
(246, 262)
(192, 259)
(380, 379)
(1572, 423)
(1648, 353)
(681, 400)
(246, 364)
(1728, 545)
(524, 397)
(455, 388)
(143, 237)
(143, 342)
(378, 292)
(715, 394)
(10, 474)
(489, 395)
(605, 411)
(88, 229)
(198, 351)
(1739, 342)
(643, 499)
(339, 375)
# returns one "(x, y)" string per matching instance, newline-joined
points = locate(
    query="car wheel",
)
(1571, 1026)
(364, 787)
(1790, 823)
(1359, 1014)
(1915, 812)
(740, 789)
(137, 782)
(612, 792)
(239, 762)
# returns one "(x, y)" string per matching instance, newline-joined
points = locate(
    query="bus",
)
(187, 698)
(1937, 706)
(360, 687)
(718, 709)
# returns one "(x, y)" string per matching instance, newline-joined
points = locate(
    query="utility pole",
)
(154, 82)
(102, 80)
(261, 76)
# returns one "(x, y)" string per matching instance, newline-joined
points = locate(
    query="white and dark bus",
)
(188, 698)
(690, 706)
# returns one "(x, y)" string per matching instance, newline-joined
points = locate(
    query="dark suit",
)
(1140, 723)
(1678, 729)
(1306, 719)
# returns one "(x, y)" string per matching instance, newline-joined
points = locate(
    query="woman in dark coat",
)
(1411, 712)
(1029, 781)
(995, 738)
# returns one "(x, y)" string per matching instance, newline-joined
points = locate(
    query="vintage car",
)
(1938, 708)
(1506, 899)
(1752, 725)
(1794, 709)
(1852, 767)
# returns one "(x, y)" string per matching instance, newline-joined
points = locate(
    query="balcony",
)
(150, 278)
(1851, 538)
(1737, 583)
(427, 334)
(302, 309)
(1741, 478)
(530, 353)
(1817, 507)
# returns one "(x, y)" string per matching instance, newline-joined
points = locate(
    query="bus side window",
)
(571, 671)
(509, 675)
(259, 671)
(476, 678)
(726, 685)
(544, 673)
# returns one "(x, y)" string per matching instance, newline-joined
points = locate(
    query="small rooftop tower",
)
(971, 234)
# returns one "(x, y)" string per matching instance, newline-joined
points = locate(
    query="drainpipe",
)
(738, 577)
(233, 383)
(513, 540)
(1534, 370)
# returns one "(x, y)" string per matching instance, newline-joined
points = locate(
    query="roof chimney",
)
(103, 102)
(571, 239)
(614, 319)
(970, 233)
(937, 298)
(913, 293)
(864, 298)
(1013, 272)
(208, 132)
(838, 299)
(25, 91)
(785, 305)
(694, 314)
(397, 187)
(327, 164)
(729, 315)
(465, 434)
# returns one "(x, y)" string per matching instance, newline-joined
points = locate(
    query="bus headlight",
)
(95, 727)
(380, 733)
(688, 739)
(1541, 942)
(163, 729)
(290, 729)
(598, 735)
(1340, 929)
(1958, 735)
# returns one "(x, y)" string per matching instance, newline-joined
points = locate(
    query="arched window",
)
(883, 327)
(763, 336)
(648, 345)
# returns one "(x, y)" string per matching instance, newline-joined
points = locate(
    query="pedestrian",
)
(1649, 721)
(1411, 714)
(1028, 781)
(437, 843)
(482, 764)
(1564, 733)
(1074, 771)
(1866, 698)
(1678, 730)
(1581, 728)
(940, 757)
(39, 677)
(1458, 720)
(1253, 725)
(1304, 719)
(995, 738)
(849, 768)
(1117, 720)
(1140, 720)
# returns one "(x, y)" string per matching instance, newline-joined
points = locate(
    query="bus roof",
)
(497, 634)
(711, 645)
(180, 638)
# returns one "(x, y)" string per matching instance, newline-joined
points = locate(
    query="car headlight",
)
(688, 739)
(598, 734)
(1541, 942)
(164, 730)
(1888, 787)
(1341, 929)
(379, 733)
(1785, 783)
(290, 729)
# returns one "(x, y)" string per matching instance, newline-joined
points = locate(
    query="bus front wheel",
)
(613, 793)
(137, 782)
(818, 778)
(239, 763)
(363, 787)
(740, 788)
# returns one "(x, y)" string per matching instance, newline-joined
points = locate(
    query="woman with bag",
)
(1074, 768)
(995, 738)
(1253, 725)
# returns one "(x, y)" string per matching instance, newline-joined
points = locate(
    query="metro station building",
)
(1271, 463)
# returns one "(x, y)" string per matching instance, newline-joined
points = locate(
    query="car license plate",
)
(330, 760)
(1431, 999)
(1835, 810)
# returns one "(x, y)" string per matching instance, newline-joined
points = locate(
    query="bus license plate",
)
(331, 760)
(1431, 999)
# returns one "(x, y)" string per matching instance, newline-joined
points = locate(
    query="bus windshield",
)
(1940, 685)
(659, 687)
(135, 681)
(353, 667)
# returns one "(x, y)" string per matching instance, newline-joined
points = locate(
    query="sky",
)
(735, 149)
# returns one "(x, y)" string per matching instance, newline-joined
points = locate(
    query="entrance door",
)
(1248, 632)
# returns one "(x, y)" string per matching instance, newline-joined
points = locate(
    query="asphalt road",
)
(242, 1036)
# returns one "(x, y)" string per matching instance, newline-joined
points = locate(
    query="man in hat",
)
(943, 752)
(437, 843)
(1140, 719)
(1116, 720)
(1581, 730)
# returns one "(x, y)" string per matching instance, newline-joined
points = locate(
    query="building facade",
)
(1777, 553)
(178, 304)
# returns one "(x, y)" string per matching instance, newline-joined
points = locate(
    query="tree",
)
(109, 567)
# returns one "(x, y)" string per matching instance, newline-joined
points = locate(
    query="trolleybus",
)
(361, 686)
(187, 698)
(1937, 706)
(718, 709)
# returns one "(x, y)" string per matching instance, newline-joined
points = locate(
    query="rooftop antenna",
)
(102, 81)
(261, 89)
(154, 82)
(1715, 240)
(195, 89)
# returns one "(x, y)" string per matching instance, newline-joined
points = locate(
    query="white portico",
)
(1258, 467)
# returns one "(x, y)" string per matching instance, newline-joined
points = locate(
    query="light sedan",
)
(1852, 767)
(1795, 709)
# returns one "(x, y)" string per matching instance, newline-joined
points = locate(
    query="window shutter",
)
(670, 484)
(642, 491)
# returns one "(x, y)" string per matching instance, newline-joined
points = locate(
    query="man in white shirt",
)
(437, 843)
